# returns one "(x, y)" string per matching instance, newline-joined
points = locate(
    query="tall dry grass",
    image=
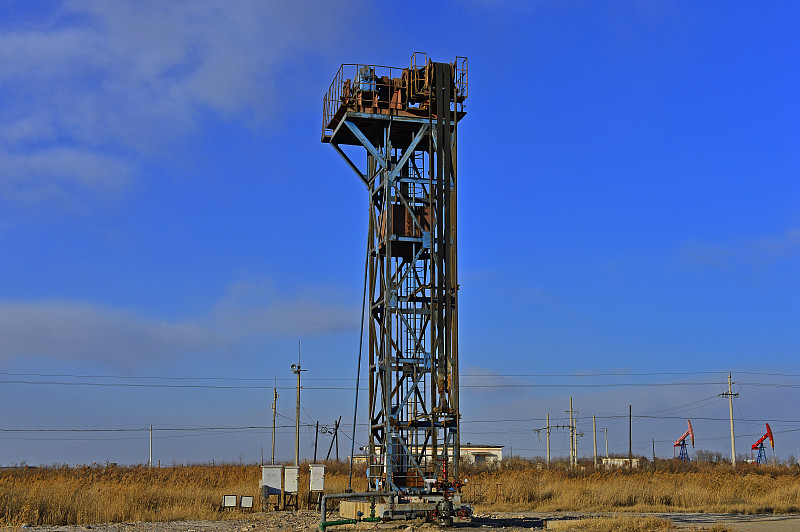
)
(628, 523)
(82, 495)
(61, 496)
(95, 494)
(618, 523)
(694, 489)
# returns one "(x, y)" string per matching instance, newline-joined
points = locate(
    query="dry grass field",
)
(626, 523)
(81, 495)
(713, 489)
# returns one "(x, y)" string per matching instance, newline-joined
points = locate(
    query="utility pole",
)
(605, 429)
(730, 395)
(274, 412)
(334, 439)
(654, 452)
(548, 441)
(594, 434)
(316, 438)
(296, 369)
(573, 447)
(150, 459)
(571, 436)
(630, 436)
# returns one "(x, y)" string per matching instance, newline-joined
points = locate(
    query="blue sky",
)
(629, 204)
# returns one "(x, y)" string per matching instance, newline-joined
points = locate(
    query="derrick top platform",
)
(371, 95)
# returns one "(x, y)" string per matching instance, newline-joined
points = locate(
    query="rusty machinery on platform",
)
(405, 120)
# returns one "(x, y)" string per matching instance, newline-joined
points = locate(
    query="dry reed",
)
(82, 495)
(717, 489)
(628, 523)
(617, 523)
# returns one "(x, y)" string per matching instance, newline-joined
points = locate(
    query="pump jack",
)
(681, 442)
(762, 455)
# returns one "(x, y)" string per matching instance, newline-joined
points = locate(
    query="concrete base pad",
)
(413, 507)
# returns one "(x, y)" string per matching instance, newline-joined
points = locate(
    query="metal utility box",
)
(291, 478)
(317, 477)
(270, 482)
(316, 485)
(271, 479)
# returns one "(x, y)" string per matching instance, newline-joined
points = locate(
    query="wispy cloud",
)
(253, 308)
(108, 85)
(80, 331)
(56, 175)
(761, 251)
(487, 382)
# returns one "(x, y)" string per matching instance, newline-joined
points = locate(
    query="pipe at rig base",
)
(324, 524)
(323, 507)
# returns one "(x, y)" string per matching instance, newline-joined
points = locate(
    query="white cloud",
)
(763, 250)
(75, 331)
(123, 82)
(54, 174)
(253, 308)
(79, 331)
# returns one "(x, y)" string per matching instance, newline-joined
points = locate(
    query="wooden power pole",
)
(730, 395)
(548, 440)
(594, 437)
(630, 436)
(274, 412)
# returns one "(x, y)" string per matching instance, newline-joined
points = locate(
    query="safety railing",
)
(374, 88)
(367, 84)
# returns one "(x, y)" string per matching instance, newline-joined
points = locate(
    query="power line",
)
(161, 377)
(462, 376)
(341, 388)
(624, 374)
(142, 429)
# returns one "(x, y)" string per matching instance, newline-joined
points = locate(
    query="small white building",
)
(470, 453)
(481, 454)
(620, 463)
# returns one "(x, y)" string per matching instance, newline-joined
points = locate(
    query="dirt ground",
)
(697, 521)
(309, 520)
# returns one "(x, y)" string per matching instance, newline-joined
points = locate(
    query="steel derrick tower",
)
(405, 120)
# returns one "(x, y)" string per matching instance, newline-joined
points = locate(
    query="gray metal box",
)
(271, 479)
(291, 478)
(317, 477)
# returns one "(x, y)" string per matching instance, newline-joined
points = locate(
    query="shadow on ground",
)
(507, 522)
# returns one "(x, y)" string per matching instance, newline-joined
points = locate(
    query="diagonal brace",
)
(366, 143)
(408, 151)
(350, 163)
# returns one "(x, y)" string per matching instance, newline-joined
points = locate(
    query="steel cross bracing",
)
(412, 287)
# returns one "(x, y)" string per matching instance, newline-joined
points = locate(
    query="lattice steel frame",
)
(412, 282)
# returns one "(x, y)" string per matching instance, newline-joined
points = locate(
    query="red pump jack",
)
(762, 455)
(681, 442)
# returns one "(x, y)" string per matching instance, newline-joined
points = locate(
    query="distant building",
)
(611, 463)
(482, 454)
(470, 453)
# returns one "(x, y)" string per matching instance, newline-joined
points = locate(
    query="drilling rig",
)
(759, 445)
(404, 122)
(683, 456)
